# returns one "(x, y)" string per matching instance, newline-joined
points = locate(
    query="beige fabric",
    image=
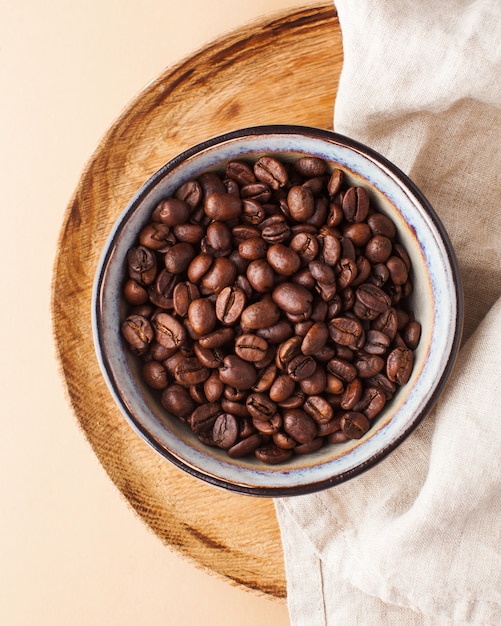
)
(417, 539)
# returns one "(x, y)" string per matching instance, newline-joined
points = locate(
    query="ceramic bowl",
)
(436, 301)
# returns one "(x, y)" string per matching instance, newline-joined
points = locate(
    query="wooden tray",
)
(284, 70)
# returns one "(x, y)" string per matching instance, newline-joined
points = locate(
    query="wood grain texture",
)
(284, 70)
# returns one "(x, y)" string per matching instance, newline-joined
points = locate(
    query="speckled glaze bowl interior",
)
(436, 301)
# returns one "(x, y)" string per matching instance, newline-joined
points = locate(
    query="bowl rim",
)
(151, 183)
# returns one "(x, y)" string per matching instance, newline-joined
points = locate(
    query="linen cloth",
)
(417, 539)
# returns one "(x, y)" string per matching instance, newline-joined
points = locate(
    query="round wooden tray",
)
(283, 70)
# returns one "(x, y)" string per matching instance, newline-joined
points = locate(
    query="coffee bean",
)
(202, 316)
(238, 373)
(272, 454)
(299, 425)
(204, 417)
(225, 430)
(399, 365)
(283, 260)
(292, 298)
(191, 372)
(354, 425)
(177, 401)
(222, 206)
(271, 171)
(319, 409)
(250, 347)
(261, 314)
(230, 303)
(169, 332)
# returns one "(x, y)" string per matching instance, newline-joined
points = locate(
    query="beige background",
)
(71, 550)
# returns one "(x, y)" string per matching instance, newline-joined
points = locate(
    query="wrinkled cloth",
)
(416, 540)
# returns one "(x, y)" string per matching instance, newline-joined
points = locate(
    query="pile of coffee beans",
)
(267, 303)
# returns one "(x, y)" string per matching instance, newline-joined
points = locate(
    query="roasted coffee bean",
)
(277, 333)
(373, 298)
(354, 425)
(202, 316)
(335, 182)
(219, 238)
(235, 407)
(190, 192)
(238, 373)
(177, 401)
(253, 248)
(171, 212)
(319, 409)
(257, 191)
(199, 267)
(169, 332)
(299, 425)
(398, 270)
(412, 334)
(225, 430)
(178, 257)
(306, 246)
(183, 295)
(301, 203)
(327, 428)
(208, 357)
(283, 260)
(222, 206)
(240, 171)
(287, 350)
(260, 315)
(292, 298)
(221, 274)
(300, 367)
(135, 293)
(250, 347)
(355, 204)
(282, 388)
(378, 249)
(343, 369)
(351, 394)
(157, 236)
(310, 446)
(213, 387)
(275, 229)
(155, 375)
(245, 446)
(252, 211)
(271, 171)
(371, 403)
(399, 365)
(204, 417)
(345, 331)
(260, 406)
(275, 297)
(315, 339)
(380, 224)
(376, 342)
(337, 436)
(261, 276)
(334, 385)
(142, 265)
(272, 454)
(230, 303)
(283, 440)
(346, 272)
(191, 372)
(369, 365)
